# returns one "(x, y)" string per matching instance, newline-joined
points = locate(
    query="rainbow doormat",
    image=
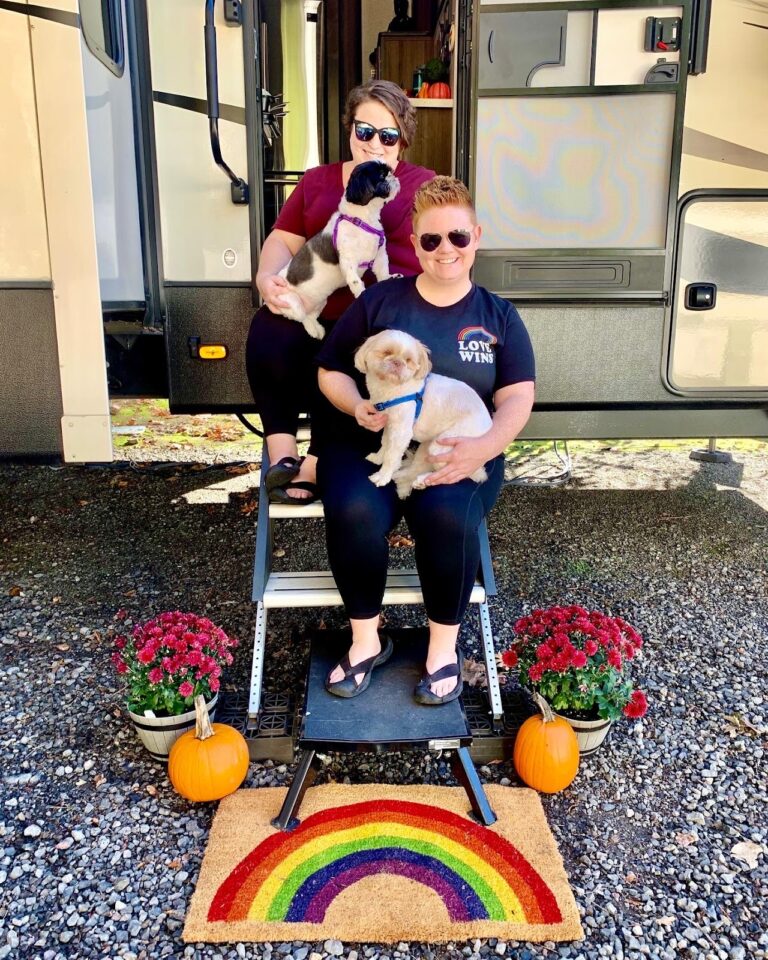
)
(382, 864)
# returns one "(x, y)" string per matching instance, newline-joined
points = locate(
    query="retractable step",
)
(317, 588)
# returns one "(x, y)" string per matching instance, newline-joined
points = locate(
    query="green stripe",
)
(279, 907)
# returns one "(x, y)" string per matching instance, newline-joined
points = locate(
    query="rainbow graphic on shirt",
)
(476, 345)
(294, 877)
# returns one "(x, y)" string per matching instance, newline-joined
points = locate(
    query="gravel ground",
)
(98, 855)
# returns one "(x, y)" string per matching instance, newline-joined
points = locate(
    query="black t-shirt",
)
(480, 340)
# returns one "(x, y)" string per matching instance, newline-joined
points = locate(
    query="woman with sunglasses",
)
(472, 335)
(280, 354)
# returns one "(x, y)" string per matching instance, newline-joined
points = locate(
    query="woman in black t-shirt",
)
(474, 336)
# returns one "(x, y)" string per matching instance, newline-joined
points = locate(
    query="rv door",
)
(719, 317)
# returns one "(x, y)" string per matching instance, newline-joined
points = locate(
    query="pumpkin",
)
(546, 754)
(423, 92)
(210, 761)
(440, 91)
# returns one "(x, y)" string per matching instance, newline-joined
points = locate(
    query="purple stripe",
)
(457, 910)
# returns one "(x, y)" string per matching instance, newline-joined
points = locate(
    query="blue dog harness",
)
(363, 226)
(417, 397)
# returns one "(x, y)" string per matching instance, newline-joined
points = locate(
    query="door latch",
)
(700, 296)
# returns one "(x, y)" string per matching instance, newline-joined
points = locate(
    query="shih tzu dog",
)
(420, 405)
(352, 242)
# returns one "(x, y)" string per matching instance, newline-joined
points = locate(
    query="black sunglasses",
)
(387, 135)
(431, 241)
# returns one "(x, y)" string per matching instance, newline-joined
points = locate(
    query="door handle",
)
(490, 45)
(239, 187)
(700, 296)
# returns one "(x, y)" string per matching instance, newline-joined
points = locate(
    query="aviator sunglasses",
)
(458, 238)
(387, 135)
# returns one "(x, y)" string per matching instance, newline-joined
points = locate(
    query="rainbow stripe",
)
(476, 333)
(294, 877)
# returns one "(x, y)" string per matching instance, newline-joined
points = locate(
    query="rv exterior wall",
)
(66, 170)
(23, 238)
(725, 142)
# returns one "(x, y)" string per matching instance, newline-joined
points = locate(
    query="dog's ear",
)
(361, 355)
(424, 363)
(362, 183)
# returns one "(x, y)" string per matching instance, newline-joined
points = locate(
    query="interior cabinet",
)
(397, 57)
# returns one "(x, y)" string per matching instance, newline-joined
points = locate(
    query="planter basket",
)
(158, 734)
(589, 733)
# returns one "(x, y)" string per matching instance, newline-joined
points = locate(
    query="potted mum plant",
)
(579, 661)
(167, 662)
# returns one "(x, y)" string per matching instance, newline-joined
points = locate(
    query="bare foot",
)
(441, 659)
(308, 473)
(359, 651)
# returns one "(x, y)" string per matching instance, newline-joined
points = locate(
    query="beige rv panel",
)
(23, 238)
(205, 235)
(66, 170)
(725, 143)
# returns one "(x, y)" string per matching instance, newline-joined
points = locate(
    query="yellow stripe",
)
(272, 884)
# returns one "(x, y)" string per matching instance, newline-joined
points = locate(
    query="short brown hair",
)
(389, 95)
(442, 192)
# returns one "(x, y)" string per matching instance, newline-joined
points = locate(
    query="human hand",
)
(468, 454)
(270, 289)
(369, 417)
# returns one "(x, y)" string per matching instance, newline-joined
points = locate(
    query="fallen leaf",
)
(55, 599)
(14, 591)
(249, 507)
(83, 503)
(151, 790)
(175, 864)
(630, 878)
(474, 672)
(665, 921)
(62, 646)
(398, 540)
(99, 780)
(748, 852)
(237, 471)
(686, 839)
(738, 724)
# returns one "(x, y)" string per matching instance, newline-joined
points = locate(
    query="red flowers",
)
(578, 660)
(171, 659)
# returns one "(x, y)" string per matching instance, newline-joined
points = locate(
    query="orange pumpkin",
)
(423, 92)
(440, 91)
(546, 754)
(209, 762)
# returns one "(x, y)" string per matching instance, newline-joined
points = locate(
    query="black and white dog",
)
(352, 242)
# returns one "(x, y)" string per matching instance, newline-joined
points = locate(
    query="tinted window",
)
(102, 25)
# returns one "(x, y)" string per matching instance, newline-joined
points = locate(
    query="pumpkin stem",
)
(545, 708)
(203, 728)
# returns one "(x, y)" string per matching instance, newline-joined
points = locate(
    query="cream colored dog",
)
(420, 405)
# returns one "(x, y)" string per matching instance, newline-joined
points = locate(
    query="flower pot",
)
(589, 733)
(158, 734)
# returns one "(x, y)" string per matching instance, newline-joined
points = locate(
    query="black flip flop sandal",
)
(281, 495)
(422, 693)
(282, 472)
(347, 687)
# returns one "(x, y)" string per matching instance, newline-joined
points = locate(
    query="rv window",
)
(102, 26)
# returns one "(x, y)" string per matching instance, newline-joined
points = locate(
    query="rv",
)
(617, 151)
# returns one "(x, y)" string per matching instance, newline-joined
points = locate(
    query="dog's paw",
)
(314, 329)
(403, 489)
(420, 483)
(377, 458)
(380, 478)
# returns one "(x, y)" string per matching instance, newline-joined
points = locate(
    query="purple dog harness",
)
(363, 226)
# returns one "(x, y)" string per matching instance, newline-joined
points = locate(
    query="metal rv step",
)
(317, 588)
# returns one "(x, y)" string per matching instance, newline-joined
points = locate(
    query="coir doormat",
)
(382, 864)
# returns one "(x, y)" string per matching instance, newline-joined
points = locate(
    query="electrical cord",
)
(553, 480)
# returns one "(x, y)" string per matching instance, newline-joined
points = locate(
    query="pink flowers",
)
(171, 659)
(578, 660)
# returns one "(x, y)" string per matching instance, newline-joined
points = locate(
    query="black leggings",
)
(443, 520)
(280, 362)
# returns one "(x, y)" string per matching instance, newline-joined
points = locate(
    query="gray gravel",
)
(98, 855)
